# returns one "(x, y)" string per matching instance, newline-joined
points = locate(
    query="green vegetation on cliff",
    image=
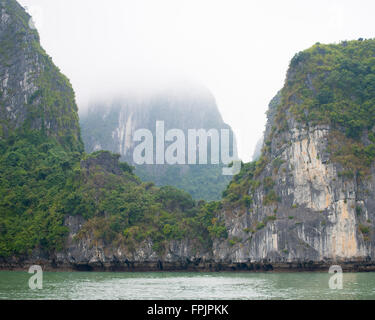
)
(34, 90)
(326, 85)
(335, 85)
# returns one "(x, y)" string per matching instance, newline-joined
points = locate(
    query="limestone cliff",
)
(312, 191)
(110, 125)
(34, 95)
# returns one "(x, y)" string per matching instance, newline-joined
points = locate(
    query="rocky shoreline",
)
(159, 266)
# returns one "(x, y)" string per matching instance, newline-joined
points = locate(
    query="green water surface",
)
(168, 285)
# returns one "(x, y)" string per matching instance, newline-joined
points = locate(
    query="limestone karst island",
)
(74, 198)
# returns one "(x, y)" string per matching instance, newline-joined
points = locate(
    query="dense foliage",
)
(42, 183)
(35, 173)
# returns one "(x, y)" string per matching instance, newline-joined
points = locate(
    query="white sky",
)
(239, 49)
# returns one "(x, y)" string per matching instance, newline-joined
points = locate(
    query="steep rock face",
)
(111, 126)
(316, 217)
(308, 204)
(33, 93)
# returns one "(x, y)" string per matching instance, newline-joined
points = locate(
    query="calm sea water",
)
(233, 286)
